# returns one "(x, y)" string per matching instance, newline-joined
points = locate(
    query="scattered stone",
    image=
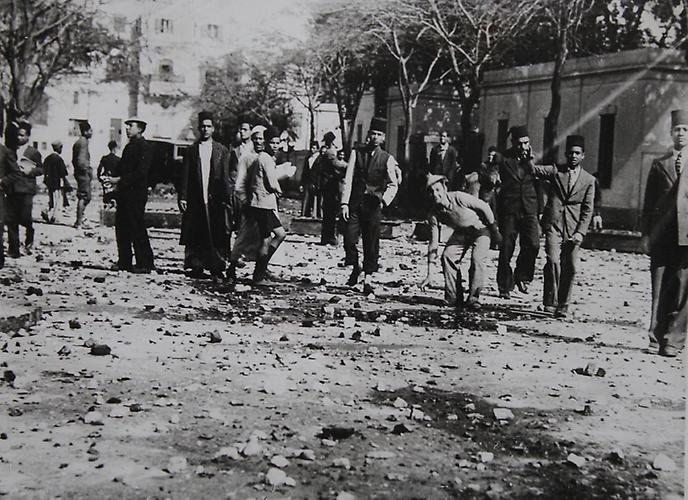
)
(575, 460)
(616, 456)
(94, 418)
(74, 324)
(279, 461)
(341, 463)
(401, 429)
(252, 448)
(349, 322)
(336, 433)
(400, 403)
(64, 351)
(503, 414)
(215, 337)
(100, 350)
(380, 455)
(591, 370)
(118, 412)
(276, 477)
(227, 452)
(501, 329)
(9, 376)
(485, 456)
(393, 476)
(345, 495)
(177, 464)
(664, 463)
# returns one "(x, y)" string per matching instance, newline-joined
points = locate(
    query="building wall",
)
(639, 88)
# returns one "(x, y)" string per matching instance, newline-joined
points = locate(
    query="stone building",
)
(619, 102)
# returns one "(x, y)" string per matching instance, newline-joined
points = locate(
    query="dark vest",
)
(371, 170)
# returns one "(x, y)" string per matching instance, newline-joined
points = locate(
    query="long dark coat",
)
(8, 164)
(206, 226)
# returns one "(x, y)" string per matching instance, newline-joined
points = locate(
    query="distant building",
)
(619, 102)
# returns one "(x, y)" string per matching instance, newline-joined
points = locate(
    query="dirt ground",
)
(307, 389)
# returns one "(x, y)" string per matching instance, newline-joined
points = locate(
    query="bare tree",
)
(41, 40)
(306, 75)
(474, 32)
(566, 17)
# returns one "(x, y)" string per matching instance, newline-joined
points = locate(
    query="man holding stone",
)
(665, 238)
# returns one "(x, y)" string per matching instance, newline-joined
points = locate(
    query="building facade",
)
(619, 102)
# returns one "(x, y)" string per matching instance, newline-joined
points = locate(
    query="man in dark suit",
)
(20, 193)
(131, 188)
(7, 165)
(331, 174)
(108, 167)
(565, 221)
(54, 177)
(665, 238)
(204, 197)
(310, 176)
(517, 210)
(444, 161)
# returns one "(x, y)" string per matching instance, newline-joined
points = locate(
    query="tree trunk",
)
(346, 138)
(550, 148)
(311, 113)
(134, 77)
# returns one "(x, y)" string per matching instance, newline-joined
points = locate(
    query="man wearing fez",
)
(204, 195)
(444, 160)
(131, 189)
(54, 178)
(567, 216)
(517, 208)
(665, 238)
(20, 191)
(370, 184)
(474, 226)
(81, 160)
(331, 173)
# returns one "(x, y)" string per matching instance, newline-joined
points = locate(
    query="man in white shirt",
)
(204, 197)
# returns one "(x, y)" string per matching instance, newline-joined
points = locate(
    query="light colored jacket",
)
(262, 185)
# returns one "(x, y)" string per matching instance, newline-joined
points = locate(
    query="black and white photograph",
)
(343, 249)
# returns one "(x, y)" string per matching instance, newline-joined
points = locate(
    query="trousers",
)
(364, 221)
(669, 266)
(527, 228)
(560, 268)
(479, 245)
(330, 209)
(130, 231)
(19, 208)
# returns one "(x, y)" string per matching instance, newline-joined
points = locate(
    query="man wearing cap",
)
(517, 208)
(21, 190)
(665, 238)
(474, 226)
(331, 174)
(370, 184)
(54, 177)
(444, 160)
(131, 190)
(567, 216)
(81, 160)
(204, 196)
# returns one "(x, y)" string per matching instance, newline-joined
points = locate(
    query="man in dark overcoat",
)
(444, 160)
(331, 174)
(54, 178)
(204, 197)
(665, 238)
(8, 164)
(131, 188)
(518, 209)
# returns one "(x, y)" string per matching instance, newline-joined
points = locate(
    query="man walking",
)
(81, 160)
(517, 208)
(54, 178)
(8, 164)
(474, 226)
(665, 238)
(310, 176)
(21, 190)
(565, 221)
(331, 174)
(370, 184)
(131, 188)
(444, 160)
(204, 197)
(242, 148)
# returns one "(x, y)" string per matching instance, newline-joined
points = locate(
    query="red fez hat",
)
(379, 124)
(679, 117)
(205, 115)
(575, 140)
(518, 131)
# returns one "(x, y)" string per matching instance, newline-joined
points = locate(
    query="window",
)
(166, 70)
(163, 25)
(359, 133)
(502, 131)
(213, 31)
(75, 98)
(605, 156)
(119, 23)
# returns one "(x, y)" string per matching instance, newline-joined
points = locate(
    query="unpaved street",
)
(309, 390)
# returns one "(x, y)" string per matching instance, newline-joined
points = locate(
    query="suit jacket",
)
(7, 165)
(22, 183)
(134, 166)
(518, 192)
(447, 166)
(206, 225)
(568, 212)
(54, 170)
(659, 218)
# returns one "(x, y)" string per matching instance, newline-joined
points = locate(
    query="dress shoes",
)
(551, 309)
(561, 312)
(368, 289)
(353, 278)
(142, 270)
(522, 286)
(668, 352)
(505, 295)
